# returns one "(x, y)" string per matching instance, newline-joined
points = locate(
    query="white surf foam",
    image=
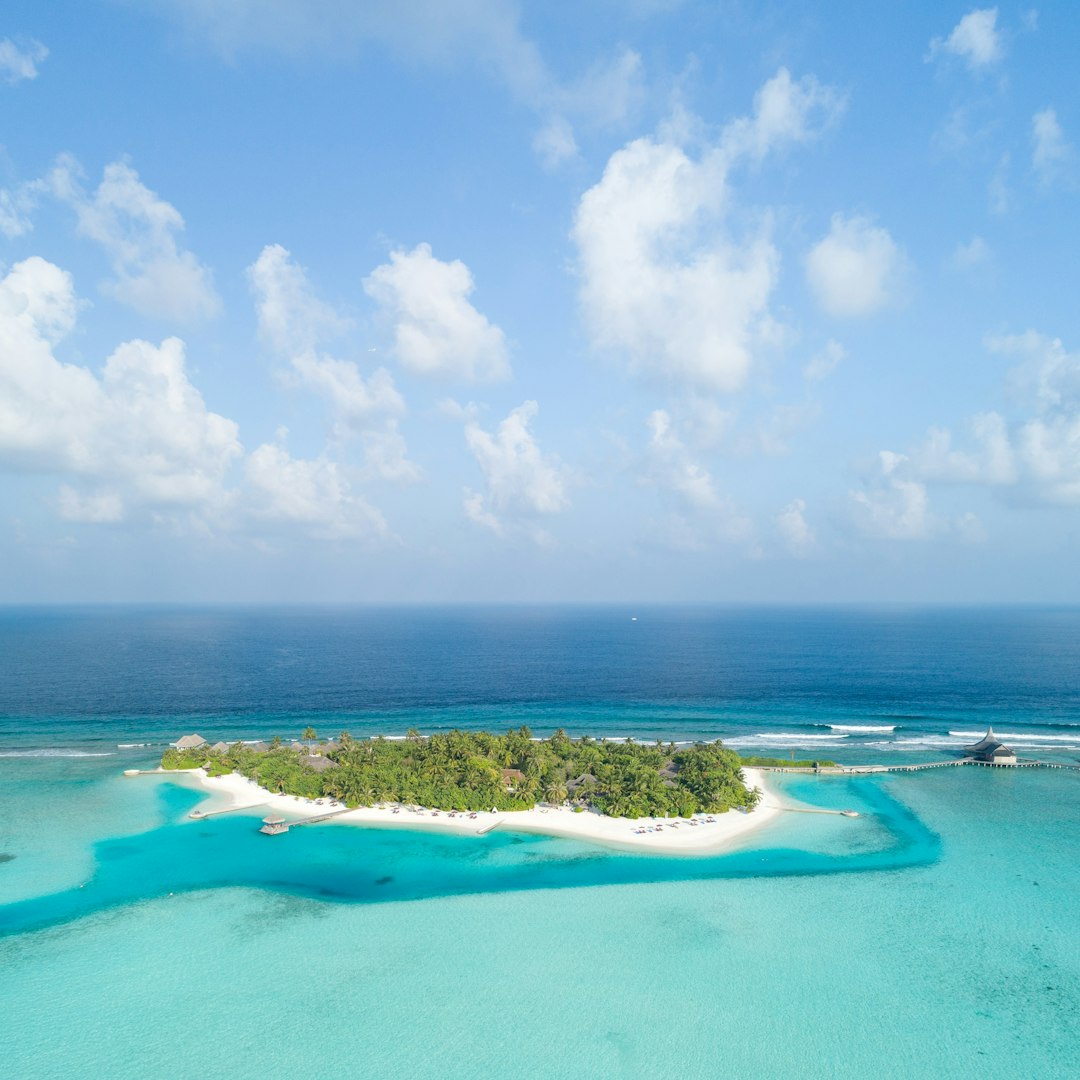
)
(55, 752)
(861, 728)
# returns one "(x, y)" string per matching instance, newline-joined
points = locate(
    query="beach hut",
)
(990, 750)
(259, 747)
(274, 826)
(190, 742)
(319, 764)
(299, 747)
(580, 781)
(220, 747)
(511, 778)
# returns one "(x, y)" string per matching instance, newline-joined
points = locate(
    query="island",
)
(466, 770)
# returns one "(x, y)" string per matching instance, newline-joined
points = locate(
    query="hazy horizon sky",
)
(645, 300)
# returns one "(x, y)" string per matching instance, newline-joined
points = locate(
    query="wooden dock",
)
(867, 770)
(277, 826)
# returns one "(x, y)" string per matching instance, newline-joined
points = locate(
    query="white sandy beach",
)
(676, 836)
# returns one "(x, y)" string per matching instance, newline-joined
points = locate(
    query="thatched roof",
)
(259, 747)
(584, 778)
(220, 747)
(299, 746)
(319, 764)
(189, 742)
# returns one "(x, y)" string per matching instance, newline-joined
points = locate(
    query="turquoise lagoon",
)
(935, 935)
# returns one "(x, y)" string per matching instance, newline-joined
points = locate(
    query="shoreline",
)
(674, 836)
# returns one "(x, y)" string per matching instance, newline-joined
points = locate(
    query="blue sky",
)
(486, 300)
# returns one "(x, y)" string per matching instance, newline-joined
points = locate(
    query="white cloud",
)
(701, 517)
(1050, 150)
(355, 400)
(991, 462)
(16, 206)
(521, 483)
(822, 364)
(975, 39)
(291, 318)
(475, 35)
(1034, 458)
(794, 529)
(437, 331)
(19, 63)
(976, 252)
(98, 508)
(785, 112)
(554, 143)
(139, 231)
(607, 93)
(856, 269)
(670, 465)
(313, 495)
(897, 507)
(293, 321)
(140, 429)
(662, 281)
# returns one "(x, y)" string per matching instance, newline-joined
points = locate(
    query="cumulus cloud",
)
(975, 39)
(522, 484)
(292, 319)
(437, 331)
(1050, 150)
(139, 231)
(896, 507)
(795, 532)
(311, 494)
(293, 322)
(663, 283)
(856, 269)
(19, 63)
(137, 434)
(786, 111)
(1033, 457)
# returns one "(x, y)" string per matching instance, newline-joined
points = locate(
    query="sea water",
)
(934, 935)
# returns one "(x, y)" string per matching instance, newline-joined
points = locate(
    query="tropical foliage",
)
(466, 770)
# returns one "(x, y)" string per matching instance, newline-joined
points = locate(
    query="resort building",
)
(190, 742)
(990, 750)
(318, 763)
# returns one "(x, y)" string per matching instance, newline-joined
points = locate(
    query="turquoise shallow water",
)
(935, 935)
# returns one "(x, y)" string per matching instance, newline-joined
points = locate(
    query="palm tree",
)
(555, 793)
(309, 735)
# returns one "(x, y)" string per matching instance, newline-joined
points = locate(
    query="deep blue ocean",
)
(935, 935)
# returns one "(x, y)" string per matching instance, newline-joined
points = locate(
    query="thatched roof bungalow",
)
(190, 742)
(319, 764)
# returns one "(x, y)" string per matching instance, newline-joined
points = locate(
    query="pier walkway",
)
(860, 770)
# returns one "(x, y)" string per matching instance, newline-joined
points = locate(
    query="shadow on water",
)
(353, 865)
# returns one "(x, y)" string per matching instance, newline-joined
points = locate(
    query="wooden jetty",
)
(201, 814)
(275, 826)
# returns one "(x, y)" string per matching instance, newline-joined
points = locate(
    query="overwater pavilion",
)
(990, 750)
(274, 826)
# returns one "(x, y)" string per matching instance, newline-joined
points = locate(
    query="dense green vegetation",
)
(462, 770)
(784, 763)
